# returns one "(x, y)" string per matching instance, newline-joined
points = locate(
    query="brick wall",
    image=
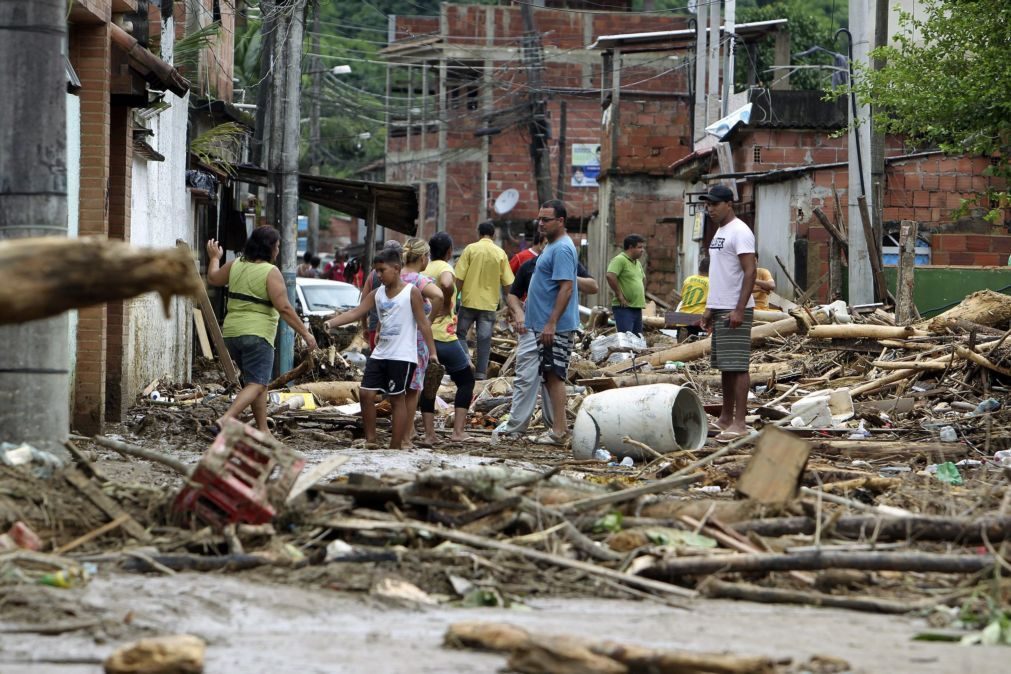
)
(90, 53)
(120, 199)
(980, 250)
(653, 134)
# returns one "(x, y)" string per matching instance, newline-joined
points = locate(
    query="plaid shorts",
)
(556, 357)
(731, 347)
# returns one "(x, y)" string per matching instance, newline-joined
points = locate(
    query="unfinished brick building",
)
(465, 85)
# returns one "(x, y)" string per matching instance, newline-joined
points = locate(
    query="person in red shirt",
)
(530, 253)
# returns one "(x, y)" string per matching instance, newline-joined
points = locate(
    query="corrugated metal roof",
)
(396, 205)
(685, 35)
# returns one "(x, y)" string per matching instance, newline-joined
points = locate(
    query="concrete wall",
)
(156, 346)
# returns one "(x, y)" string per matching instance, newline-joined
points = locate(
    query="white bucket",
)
(663, 416)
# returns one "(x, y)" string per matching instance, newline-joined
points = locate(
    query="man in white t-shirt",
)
(730, 307)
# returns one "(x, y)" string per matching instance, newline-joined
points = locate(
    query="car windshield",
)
(329, 297)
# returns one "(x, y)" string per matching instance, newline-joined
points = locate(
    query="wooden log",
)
(985, 307)
(719, 589)
(701, 348)
(863, 331)
(43, 277)
(881, 292)
(905, 306)
(332, 392)
(981, 360)
(957, 530)
(282, 380)
(142, 453)
(536, 555)
(560, 653)
(674, 570)
(881, 383)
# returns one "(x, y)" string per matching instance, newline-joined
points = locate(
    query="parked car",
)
(315, 299)
(321, 297)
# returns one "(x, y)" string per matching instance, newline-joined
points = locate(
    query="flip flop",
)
(730, 436)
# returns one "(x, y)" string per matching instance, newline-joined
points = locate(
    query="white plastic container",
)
(663, 416)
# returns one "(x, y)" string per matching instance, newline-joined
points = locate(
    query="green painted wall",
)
(938, 288)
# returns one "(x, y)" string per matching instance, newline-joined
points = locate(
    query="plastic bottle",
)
(602, 454)
(496, 435)
(72, 577)
(988, 405)
(948, 434)
(860, 433)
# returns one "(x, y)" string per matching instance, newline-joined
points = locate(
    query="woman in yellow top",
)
(256, 298)
(451, 352)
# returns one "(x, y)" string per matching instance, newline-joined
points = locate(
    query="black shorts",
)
(388, 376)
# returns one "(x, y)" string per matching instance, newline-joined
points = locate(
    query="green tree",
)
(946, 81)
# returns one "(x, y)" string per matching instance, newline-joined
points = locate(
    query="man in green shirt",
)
(628, 281)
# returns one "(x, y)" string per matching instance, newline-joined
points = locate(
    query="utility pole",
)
(729, 23)
(533, 58)
(35, 360)
(267, 25)
(861, 283)
(701, 51)
(314, 151)
(282, 166)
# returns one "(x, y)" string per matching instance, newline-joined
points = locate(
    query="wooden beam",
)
(211, 320)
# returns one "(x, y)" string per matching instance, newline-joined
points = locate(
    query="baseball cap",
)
(718, 193)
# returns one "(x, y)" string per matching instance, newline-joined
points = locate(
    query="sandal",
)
(725, 437)
(549, 438)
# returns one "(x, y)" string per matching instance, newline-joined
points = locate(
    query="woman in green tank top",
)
(256, 299)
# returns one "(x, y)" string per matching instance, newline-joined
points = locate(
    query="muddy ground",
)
(284, 620)
(255, 625)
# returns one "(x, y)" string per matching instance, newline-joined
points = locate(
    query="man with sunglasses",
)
(550, 322)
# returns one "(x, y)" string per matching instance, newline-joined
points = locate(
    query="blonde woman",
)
(416, 258)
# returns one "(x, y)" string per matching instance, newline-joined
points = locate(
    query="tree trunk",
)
(35, 360)
(45, 277)
(673, 570)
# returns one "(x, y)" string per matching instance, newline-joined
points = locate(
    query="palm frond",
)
(218, 146)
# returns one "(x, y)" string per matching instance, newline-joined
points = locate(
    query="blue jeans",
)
(485, 325)
(627, 319)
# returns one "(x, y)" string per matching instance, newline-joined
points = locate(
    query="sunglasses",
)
(543, 219)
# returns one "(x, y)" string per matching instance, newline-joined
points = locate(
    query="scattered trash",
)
(627, 462)
(619, 341)
(948, 473)
(602, 454)
(988, 405)
(948, 434)
(43, 463)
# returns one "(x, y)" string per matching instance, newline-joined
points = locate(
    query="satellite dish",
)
(507, 201)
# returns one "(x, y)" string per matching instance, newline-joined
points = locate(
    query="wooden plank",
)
(726, 159)
(773, 474)
(95, 533)
(205, 343)
(211, 321)
(874, 250)
(106, 504)
(308, 479)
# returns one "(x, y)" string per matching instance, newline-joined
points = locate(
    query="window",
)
(756, 154)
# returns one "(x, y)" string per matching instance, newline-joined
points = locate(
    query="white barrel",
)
(663, 416)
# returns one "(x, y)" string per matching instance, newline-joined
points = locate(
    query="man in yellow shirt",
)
(764, 284)
(481, 274)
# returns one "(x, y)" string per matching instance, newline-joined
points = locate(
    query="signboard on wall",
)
(585, 164)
